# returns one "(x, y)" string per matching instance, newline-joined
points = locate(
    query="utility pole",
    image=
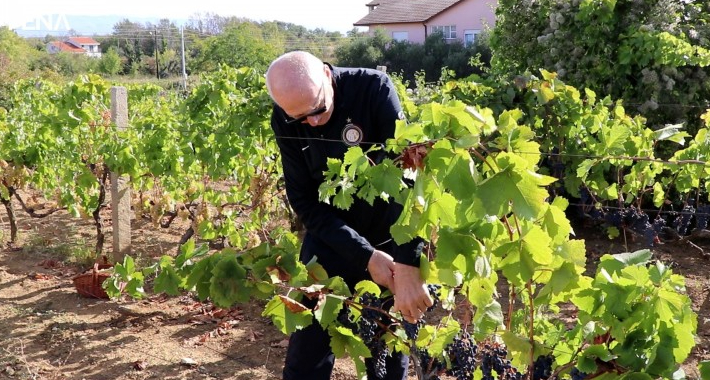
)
(182, 42)
(157, 70)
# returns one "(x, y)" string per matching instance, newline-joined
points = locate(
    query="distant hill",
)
(60, 25)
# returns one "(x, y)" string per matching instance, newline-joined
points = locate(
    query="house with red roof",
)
(80, 45)
(414, 20)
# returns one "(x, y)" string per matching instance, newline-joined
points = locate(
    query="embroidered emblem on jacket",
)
(352, 134)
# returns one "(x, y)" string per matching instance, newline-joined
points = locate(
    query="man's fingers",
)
(411, 315)
(428, 300)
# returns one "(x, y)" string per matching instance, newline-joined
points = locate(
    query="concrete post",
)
(120, 189)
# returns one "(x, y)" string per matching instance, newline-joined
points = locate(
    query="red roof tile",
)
(402, 11)
(78, 41)
(63, 46)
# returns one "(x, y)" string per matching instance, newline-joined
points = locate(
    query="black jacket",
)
(365, 100)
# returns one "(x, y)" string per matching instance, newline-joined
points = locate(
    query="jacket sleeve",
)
(319, 218)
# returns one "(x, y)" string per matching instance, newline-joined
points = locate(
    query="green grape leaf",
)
(598, 351)
(386, 178)
(659, 196)
(168, 281)
(413, 132)
(684, 339)
(617, 262)
(316, 271)
(663, 360)
(704, 366)
(522, 190)
(443, 335)
(613, 139)
(206, 230)
(406, 226)
(327, 309)
(424, 267)
(573, 251)
(188, 252)
(480, 292)
(284, 319)
(344, 341)
(555, 221)
(523, 258)
(126, 269)
(672, 132)
(355, 161)
(461, 175)
(338, 286)
(518, 348)
(200, 277)
(560, 280)
(584, 167)
(228, 284)
(452, 243)
(489, 318)
(367, 286)
(343, 198)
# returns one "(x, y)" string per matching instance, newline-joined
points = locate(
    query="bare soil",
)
(48, 331)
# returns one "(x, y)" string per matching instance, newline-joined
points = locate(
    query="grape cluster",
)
(367, 324)
(345, 318)
(462, 352)
(635, 220)
(431, 367)
(701, 217)
(379, 352)
(494, 357)
(658, 225)
(435, 292)
(682, 221)
(466, 356)
(368, 329)
(542, 368)
(577, 374)
(412, 329)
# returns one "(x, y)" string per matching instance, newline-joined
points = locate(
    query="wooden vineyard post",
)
(120, 189)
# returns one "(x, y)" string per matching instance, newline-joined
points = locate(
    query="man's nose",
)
(313, 120)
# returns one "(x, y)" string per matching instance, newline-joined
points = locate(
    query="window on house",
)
(470, 36)
(449, 31)
(400, 36)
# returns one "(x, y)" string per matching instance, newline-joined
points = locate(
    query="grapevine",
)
(480, 193)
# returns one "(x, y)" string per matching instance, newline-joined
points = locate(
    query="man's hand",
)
(381, 268)
(411, 296)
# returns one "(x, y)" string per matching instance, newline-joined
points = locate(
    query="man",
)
(319, 112)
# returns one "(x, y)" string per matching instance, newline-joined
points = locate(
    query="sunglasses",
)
(301, 119)
(315, 112)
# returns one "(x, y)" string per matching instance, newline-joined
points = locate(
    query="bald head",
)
(300, 84)
(292, 75)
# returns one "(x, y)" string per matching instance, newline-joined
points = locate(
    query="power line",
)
(548, 154)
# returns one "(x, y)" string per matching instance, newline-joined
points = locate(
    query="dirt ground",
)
(48, 331)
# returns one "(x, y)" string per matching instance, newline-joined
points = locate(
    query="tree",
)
(241, 44)
(132, 40)
(110, 62)
(16, 56)
(364, 51)
(411, 59)
(651, 53)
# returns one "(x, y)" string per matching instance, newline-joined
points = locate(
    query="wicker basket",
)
(88, 284)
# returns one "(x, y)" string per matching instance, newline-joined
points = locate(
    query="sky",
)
(331, 15)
